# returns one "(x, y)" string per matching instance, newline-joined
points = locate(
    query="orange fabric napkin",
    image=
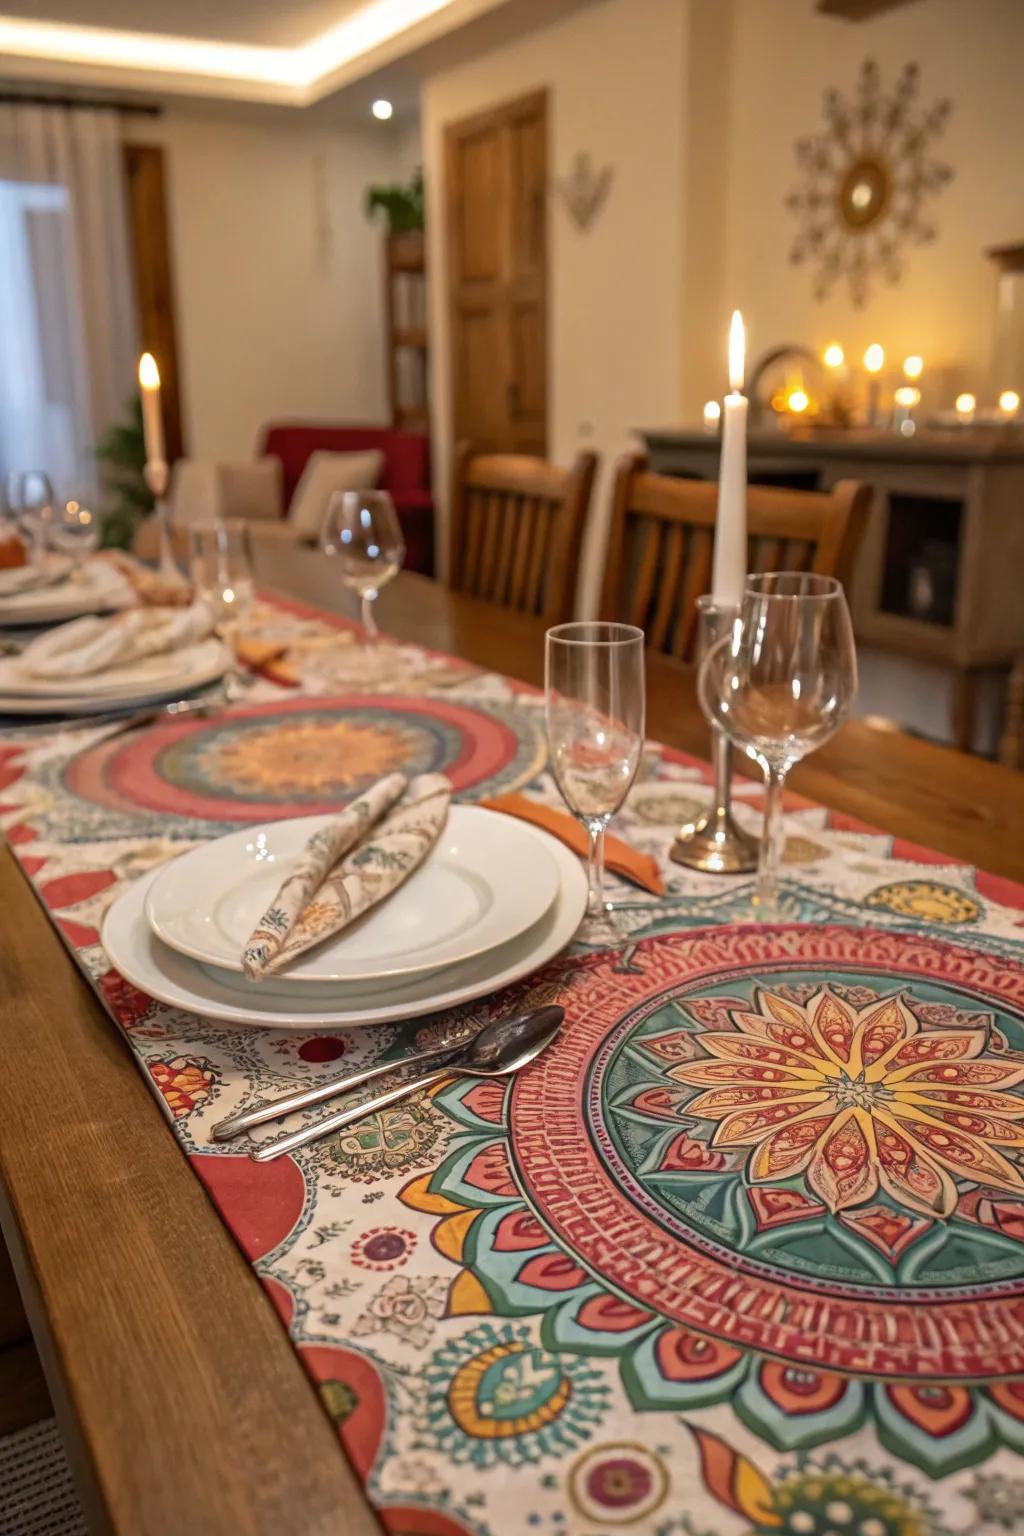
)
(640, 868)
(267, 659)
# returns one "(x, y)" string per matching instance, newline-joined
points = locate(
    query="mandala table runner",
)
(744, 1253)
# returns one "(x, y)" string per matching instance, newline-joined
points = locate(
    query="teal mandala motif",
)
(814, 1289)
(494, 1396)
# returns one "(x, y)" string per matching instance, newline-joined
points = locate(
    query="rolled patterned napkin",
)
(95, 644)
(349, 867)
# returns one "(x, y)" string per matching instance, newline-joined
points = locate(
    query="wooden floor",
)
(24, 1398)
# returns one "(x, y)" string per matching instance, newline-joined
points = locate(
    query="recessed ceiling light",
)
(382, 109)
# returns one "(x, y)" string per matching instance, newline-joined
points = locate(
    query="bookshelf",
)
(405, 274)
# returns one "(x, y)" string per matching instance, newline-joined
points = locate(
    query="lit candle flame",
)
(965, 405)
(149, 373)
(913, 367)
(833, 355)
(1009, 402)
(737, 352)
(874, 358)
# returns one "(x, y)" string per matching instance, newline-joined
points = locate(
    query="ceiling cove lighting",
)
(295, 72)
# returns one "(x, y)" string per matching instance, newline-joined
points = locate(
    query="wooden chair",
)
(662, 536)
(516, 530)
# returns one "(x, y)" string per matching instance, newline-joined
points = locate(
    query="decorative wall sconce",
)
(584, 190)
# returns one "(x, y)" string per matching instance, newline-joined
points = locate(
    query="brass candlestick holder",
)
(715, 844)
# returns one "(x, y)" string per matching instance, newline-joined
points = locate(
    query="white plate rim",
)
(510, 826)
(87, 685)
(122, 697)
(49, 606)
(125, 920)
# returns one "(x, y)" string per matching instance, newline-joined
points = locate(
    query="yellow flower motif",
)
(857, 1099)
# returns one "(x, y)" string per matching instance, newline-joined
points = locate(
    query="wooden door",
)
(149, 233)
(496, 173)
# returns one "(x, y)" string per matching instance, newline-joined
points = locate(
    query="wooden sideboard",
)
(940, 570)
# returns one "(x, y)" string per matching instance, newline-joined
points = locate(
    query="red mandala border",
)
(570, 1187)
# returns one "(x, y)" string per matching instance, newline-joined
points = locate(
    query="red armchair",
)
(406, 472)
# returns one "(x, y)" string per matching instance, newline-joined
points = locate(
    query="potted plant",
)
(402, 206)
(122, 453)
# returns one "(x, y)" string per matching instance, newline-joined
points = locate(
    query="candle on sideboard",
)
(1009, 403)
(729, 567)
(874, 362)
(712, 416)
(152, 420)
(966, 405)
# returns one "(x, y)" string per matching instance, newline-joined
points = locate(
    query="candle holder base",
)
(715, 845)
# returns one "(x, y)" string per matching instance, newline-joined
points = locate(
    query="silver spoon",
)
(502, 1047)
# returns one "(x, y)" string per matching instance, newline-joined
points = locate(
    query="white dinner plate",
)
(95, 588)
(144, 960)
(20, 580)
(486, 880)
(171, 675)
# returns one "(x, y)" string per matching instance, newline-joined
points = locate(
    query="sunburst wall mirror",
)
(867, 178)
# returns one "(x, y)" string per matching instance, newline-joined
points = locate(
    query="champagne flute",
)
(779, 686)
(220, 563)
(594, 687)
(361, 530)
(30, 498)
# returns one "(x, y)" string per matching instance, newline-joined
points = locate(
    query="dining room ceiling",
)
(242, 50)
(252, 22)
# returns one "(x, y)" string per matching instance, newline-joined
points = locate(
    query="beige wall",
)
(277, 274)
(614, 71)
(784, 57)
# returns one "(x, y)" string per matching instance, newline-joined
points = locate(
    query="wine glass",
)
(362, 532)
(594, 686)
(220, 562)
(74, 530)
(30, 498)
(779, 686)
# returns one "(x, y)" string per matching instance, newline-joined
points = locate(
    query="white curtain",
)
(68, 343)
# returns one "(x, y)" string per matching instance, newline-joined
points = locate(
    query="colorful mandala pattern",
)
(647, 1216)
(494, 1396)
(297, 758)
(509, 1296)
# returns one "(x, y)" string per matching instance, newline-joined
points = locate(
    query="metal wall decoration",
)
(867, 177)
(584, 190)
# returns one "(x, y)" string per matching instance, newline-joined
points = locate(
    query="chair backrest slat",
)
(661, 543)
(521, 564)
(516, 529)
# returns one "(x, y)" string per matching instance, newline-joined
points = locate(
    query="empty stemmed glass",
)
(594, 684)
(220, 563)
(361, 530)
(30, 499)
(74, 530)
(779, 686)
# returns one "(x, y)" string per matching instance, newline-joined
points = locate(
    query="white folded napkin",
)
(350, 866)
(95, 644)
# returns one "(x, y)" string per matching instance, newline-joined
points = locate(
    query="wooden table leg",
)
(965, 703)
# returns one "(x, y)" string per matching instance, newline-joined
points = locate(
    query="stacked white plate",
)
(55, 591)
(495, 900)
(171, 675)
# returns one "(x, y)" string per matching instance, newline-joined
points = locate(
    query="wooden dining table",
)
(181, 1401)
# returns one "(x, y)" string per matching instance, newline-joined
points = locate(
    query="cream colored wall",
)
(277, 274)
(614, 71)
(784, 57)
